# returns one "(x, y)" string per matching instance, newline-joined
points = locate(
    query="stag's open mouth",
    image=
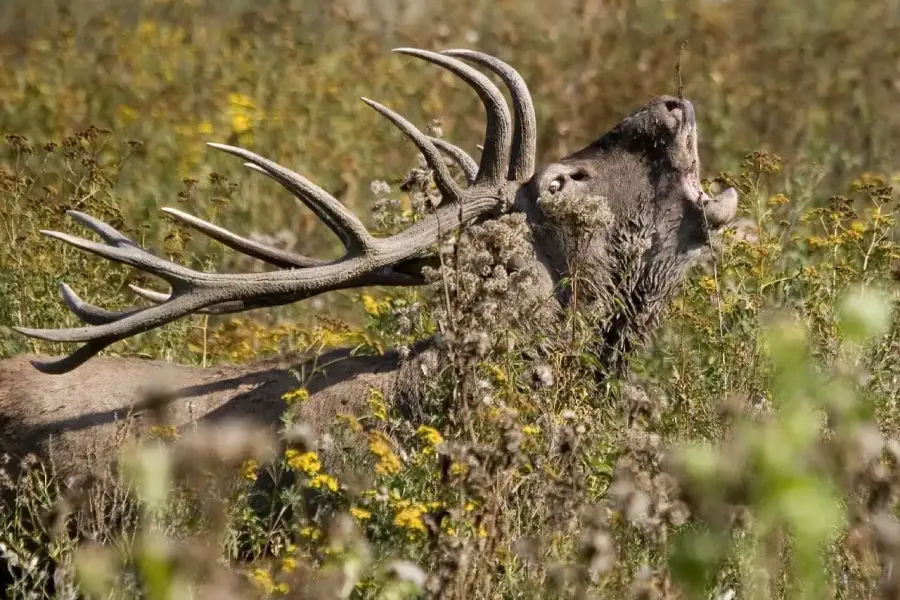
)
(718, 211)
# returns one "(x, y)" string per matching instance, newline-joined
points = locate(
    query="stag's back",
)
(82, 418)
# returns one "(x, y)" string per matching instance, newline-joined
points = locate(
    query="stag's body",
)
(643, 174)
(91, 412)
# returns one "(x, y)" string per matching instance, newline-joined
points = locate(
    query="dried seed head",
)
(542, 375)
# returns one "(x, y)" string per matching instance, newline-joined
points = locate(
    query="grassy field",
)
(758, 458)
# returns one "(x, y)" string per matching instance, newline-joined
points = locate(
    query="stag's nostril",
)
(676, 109)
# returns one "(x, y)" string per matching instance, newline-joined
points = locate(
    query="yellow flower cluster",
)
(360, 514)
(778, 200)
(323, 481)
(370, 304)
(298, 396)
(350, 421)
(166, 433)
(380, 446)
(288, 564)
(249, 469)
(411, 518)
(377, 404)
(307, 462)
(375, 307)
(430, 435)
(242, 113)
(263, 579)
(458, 468)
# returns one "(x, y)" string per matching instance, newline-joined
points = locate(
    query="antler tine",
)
(524, 143)
(73, 360)
(218, 309)
(460, 157)
(339, 218)
(107, 233)
(88, 313)
(263, 252)
(121, 249)
(495, 159)
(450, 191)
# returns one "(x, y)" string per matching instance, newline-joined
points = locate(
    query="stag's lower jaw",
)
(719, 210)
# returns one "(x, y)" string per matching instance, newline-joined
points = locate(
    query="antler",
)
(393, 261)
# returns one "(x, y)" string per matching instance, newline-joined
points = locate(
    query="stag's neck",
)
(628, 305)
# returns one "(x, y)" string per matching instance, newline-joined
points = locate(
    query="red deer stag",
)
(644, 174)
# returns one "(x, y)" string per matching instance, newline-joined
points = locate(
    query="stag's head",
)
(645, 173)
(641, 181)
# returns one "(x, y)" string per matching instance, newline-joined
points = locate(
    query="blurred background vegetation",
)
(811, 80)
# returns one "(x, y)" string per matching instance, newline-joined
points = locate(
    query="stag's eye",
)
(554, 186)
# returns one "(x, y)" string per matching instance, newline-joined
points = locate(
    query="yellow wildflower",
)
(300, 395)
(240, 123)
(351, 422)
(263, 579)
(388, 463)
(360, 514)
(370, 304)
(164, 432)
(377, 404)
(288, 564)
(311, 533)
(240, 100)
(205, 128)
(816, 241)
(708, 283)
(411, 518)
(146, 28)
(778, 200)
(470, 506)
(249, 468)
(531, 430)
(308, 462)
(324, 481)
(430, 435)
(126, 113)
(458, 468)
(497, 372)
